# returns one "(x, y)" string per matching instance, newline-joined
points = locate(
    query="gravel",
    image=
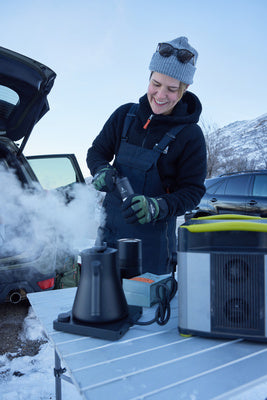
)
(11, 325)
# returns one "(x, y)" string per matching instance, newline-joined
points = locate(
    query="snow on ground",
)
(32, 378)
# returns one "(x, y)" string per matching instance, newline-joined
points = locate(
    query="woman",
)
(161, 150)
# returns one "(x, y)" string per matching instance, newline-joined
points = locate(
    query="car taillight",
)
(47, 284)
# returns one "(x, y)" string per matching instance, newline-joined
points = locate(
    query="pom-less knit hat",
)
(171, 66)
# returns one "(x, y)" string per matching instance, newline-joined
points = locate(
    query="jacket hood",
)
(186, 111)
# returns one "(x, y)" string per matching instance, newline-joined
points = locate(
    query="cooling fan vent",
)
(237, 311)
(236, 270)
(237, 292)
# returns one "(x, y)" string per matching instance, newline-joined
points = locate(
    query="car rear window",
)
(260, 186)
(8, 100)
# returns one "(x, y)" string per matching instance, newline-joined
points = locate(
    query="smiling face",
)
(163, 93)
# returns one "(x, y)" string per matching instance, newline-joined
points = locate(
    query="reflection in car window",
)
(237, 185)
(260, 186)
(218, 187)
(221, 189)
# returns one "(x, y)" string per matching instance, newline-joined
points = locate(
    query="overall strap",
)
(128, 120)
(168, 138)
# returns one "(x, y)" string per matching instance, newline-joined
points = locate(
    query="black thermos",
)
(129, 250)
(124, 187)
(129, 257)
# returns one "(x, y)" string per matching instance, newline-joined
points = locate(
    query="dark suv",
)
(24, 86)
(237, 193)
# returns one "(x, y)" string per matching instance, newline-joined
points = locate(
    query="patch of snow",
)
(32, 378)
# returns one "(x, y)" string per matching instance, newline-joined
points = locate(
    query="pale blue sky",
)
(101, 50)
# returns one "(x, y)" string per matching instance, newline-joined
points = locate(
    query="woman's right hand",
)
(104, 179)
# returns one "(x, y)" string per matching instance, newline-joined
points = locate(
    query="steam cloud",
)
(30, 218)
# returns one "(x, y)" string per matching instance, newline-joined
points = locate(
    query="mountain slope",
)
(239, 145)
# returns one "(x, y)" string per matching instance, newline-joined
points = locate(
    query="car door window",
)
(53, 172)
(260, 186)
(237, 185)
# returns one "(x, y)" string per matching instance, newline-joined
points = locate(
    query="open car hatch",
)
(24, 86)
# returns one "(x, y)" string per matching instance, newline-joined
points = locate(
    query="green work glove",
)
(104, 179)
(143, 209)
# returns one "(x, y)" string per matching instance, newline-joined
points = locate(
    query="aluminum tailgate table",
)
(150, 362)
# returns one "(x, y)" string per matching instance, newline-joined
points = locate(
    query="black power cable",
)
(165, 293)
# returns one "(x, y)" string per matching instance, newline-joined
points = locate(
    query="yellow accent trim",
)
(226, 226)
(227, 216)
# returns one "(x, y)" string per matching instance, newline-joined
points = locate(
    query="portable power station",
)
(222, 277)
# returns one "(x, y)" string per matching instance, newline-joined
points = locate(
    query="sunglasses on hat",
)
(182, 55)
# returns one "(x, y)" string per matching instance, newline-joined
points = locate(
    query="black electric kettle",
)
(99, 297)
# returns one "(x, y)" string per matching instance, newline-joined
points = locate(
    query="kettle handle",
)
(95, 288)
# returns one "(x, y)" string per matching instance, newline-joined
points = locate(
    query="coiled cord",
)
(165, 293)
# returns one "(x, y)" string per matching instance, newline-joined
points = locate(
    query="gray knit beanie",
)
(171, 66)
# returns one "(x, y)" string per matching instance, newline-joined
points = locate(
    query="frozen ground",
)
(31, 377)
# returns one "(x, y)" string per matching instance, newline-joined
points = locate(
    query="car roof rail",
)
(244, 172)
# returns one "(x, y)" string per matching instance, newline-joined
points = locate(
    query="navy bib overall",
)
(158, 238)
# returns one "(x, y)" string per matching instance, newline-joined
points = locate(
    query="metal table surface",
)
(152, 362)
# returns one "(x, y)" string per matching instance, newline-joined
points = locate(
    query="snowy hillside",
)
(239, 145)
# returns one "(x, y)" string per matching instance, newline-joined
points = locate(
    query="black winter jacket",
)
(182, 170)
